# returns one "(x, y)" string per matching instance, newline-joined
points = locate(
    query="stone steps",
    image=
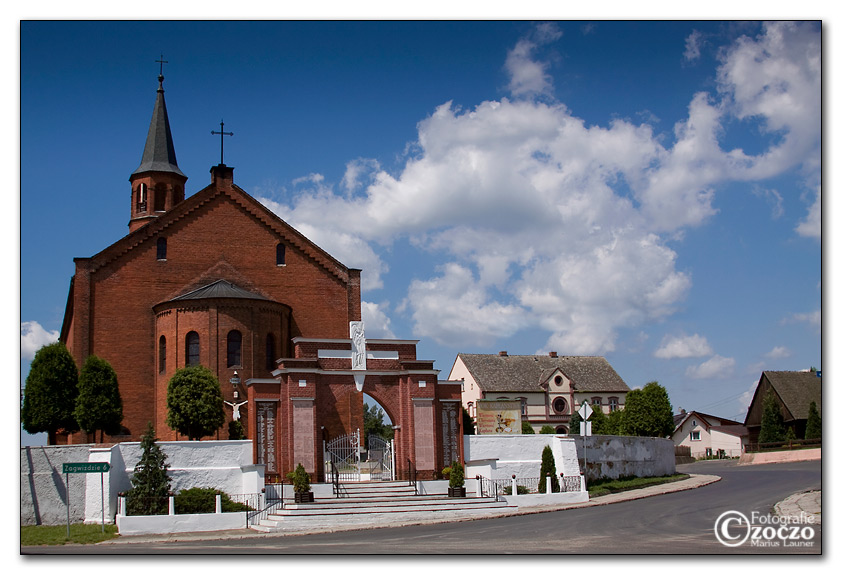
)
(372, 504)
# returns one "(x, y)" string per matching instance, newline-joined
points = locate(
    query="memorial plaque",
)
(450, 431)
(266, 435)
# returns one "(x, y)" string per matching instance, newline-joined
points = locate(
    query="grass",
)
(57, 534)
(604, 487)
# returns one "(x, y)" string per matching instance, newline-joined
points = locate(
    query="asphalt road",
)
(679, 523)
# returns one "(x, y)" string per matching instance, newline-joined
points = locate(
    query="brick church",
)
(216, 279)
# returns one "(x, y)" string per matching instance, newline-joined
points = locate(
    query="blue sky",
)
(645, 191)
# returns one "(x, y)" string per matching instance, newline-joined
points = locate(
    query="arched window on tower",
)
(162, 354)
(270, 352)
(162, 249)
(192, 349)
(160, 197)
(280, 255)
(142, 194)
(235, 345)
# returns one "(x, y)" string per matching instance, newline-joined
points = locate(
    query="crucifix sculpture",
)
(222, 133)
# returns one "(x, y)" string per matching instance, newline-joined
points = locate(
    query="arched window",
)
(192, 349)
(160, 197)
(561, 429)
(270, 352)
(162, 248)
(280, 255)
(235, 345)
(162, 354)
(141, 197)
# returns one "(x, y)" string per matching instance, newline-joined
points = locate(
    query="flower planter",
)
(306, 497)
(456, 491)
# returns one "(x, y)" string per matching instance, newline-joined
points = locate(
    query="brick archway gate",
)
(317, 395)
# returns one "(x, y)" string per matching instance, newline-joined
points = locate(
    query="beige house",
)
(708, 435)
(550, 388)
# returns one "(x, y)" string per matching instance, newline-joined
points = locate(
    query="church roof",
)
(159, 152)
(512, 373)
(219, 289)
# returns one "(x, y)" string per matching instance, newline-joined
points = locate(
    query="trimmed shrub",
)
(547, 430)
(203, 500)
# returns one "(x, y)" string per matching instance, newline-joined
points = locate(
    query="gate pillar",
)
(425, 436)
(304, 433)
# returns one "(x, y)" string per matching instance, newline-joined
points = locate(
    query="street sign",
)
(585, 411)
(585, 429)
(87, 467)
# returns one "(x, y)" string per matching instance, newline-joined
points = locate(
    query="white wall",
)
(500, 456)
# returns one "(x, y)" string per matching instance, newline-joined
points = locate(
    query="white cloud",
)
(693, 46)
(778, 352)
(683, 346)
(774, 198)
(377, 322)
(541, 221)
(33, 337)
(811, 318)
(528, 76)
(716, 367)
(811, 225)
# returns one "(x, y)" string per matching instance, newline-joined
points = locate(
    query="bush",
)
(521, 490)
(457, 475)
(526, 428)
(300, 479)
(235, 430)
(203, 500)
(547, 430)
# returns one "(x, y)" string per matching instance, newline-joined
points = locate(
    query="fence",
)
(525, 485)
(187, 504)
(784, 445)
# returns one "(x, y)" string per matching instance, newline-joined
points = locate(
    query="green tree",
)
(575, 423)
(614, 423)
(98, 406)
(547, 430)
(468, 427)
(598, 420)
(814, 423)
(235, 430)
(373, 423)
(648, 412)
(194, 402)
(548, 466)
(771, 422)
(50, 392)
(526, 428)
(150, 482)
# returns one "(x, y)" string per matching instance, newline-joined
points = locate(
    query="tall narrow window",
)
(141, 198)
(235, 344)
(280, 255)
(270, 352)
(162, 354)
(192, 351)
(162, 248)
(160, 197)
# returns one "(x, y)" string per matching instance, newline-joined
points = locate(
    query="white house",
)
(550, 388)
(708, 435)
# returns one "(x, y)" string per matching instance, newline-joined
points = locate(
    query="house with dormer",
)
(550, 388)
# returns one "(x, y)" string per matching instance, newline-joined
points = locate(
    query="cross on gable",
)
(222, 133)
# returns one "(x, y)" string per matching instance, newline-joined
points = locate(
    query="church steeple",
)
(158, 183)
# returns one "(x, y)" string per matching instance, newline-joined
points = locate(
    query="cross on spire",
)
(222, 133)
(162, 62)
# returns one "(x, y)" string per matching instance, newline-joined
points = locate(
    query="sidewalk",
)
(402, 520)
(803, 506)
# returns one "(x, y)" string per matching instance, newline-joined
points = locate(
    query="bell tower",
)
(157, 184)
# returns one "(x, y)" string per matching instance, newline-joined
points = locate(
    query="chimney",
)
(553, 354)
(503, 354)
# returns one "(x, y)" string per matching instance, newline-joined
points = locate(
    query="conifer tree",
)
(575, 423)
(50, 392)
(150, 482)
(526, 428)
(814, 423)
(98, 406)
(771, 422)
(548, 466)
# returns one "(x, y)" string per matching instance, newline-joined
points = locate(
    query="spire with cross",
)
(161, 74)
(222, 133)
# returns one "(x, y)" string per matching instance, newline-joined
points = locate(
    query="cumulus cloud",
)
(33, 337)
(811, 318)
(542, 221)
(811, 225)
(716, 367)
(377, 322)
(683, 346)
